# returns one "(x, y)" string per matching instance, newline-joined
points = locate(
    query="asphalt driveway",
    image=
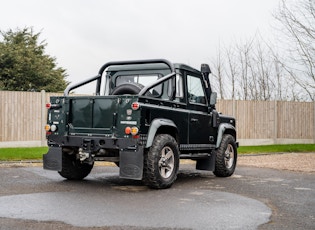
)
(254, 198)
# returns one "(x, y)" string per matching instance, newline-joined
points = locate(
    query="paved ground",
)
(31, 198)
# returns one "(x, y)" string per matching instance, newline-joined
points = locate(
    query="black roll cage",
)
(143, 91)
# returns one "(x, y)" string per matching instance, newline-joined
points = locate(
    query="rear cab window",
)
(142, 80)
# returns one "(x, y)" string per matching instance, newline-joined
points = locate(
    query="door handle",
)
(193, 119)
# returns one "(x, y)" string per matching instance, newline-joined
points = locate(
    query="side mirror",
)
(213, 99)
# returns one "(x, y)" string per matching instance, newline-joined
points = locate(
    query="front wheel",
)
(161, 162)
(226, 157)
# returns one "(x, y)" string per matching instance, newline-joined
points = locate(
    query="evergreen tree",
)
(24, 66)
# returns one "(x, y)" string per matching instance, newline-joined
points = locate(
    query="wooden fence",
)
(23, 117)
(272, 122)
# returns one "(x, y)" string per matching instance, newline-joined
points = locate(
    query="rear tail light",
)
(52, 106)
(127, 130)
(135, 105)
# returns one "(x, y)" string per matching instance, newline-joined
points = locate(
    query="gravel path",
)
(299, 162)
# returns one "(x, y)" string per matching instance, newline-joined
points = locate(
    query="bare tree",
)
(264, 70)
(218, 64)
(254, 70)
(244, 79)
(298, 21)
(250, 71)
(256, 73)
(231, 70)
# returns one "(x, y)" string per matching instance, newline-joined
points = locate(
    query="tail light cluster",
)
(132, 130)
(52, 128)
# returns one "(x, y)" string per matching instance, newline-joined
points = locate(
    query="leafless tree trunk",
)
(244, 59)
(218, 74)
(265, 73)
(231, 71)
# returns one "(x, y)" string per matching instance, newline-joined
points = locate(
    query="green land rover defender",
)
(144, 116)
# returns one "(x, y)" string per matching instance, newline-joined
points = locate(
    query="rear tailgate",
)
(100, 115)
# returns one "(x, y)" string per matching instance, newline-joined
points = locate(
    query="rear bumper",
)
(93, 144)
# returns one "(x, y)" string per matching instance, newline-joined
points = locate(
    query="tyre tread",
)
(220, 168)
(152, 176)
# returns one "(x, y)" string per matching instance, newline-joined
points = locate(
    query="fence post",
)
(234, 107)
(43, 118)
(275, 125)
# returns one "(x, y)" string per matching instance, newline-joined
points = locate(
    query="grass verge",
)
(12, 154)
(277, 148)
(36, 153)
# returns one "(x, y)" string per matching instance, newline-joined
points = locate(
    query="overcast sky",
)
(83, 35)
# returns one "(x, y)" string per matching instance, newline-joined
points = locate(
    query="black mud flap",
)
(207, 164)
(53, 159)
(131, 164)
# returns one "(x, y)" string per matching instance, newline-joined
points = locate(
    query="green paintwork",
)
(103, 118)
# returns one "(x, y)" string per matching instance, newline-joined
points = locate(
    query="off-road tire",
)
(161, 162)
(128, 88)
(73, 169)
(226, 157)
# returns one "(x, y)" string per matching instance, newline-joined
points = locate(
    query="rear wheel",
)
(226, 157)
(161, 162)
(73, 169)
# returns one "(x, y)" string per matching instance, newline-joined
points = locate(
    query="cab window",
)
(196, 94)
